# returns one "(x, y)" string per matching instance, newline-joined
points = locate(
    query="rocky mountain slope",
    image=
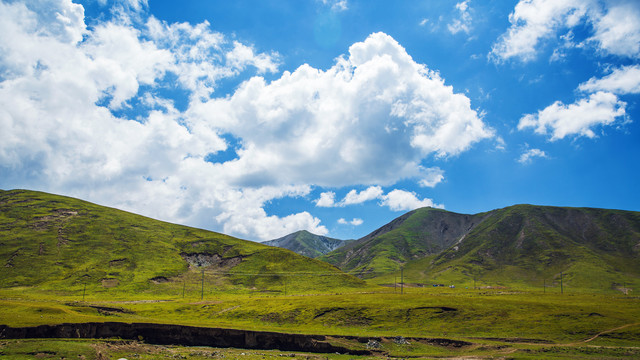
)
(590, 247)
(307, 244)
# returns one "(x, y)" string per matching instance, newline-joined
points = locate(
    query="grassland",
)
(68, 261)
(58, 243)
(496, 321)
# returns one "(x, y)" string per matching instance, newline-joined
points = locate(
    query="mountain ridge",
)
(529, 241)
(307, 244)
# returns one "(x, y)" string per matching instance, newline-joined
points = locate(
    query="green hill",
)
(307, 244)
(523, 244)
(414, 235)
(65, 244)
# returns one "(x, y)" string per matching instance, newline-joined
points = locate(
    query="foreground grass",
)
(117, 349)
(524, 323)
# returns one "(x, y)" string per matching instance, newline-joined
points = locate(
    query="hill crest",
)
(529, 242)
(57, 242)
(307, 244)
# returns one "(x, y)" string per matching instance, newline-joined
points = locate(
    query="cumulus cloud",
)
(396, 200)
(463, 22)
(617, 30)
(613, 28)
(354, 222)
(401, 200)
(579, 118)
(327, 199)
(530, 154)
(614, 25)
(371, 119)
(354, 197)
(433, 176)
(624, 80)
(243, 55)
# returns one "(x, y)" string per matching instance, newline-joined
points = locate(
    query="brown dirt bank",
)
(166, 334)
(163, 334)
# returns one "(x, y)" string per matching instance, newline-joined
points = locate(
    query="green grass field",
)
(498, 322)
(68, 261)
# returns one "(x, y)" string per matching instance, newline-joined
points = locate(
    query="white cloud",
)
(336, 5)
(534, 20)
(579, 118)
(125, 62)
(371, 119)
(433, 176)
(463, 23)
(615, 27)
(624, 80)
(244, 214)
(56, 137)
(617, 31)
(327, 199)
(354, 222)
(529, 154)
(354, 197)
(401, 200)
(137, 4)
(243, 55)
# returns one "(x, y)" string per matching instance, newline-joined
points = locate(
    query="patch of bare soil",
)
(109, 283)
(56, 216)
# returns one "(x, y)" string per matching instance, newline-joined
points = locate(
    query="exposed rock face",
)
(199, 260)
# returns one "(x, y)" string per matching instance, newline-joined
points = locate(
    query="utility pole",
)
(84, 291)
(401, 280)
(202, 290)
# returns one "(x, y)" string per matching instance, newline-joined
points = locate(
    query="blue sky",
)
(260, 118)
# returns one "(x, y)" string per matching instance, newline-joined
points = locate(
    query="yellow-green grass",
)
(69, 246)
(115, 349)
(419, 312)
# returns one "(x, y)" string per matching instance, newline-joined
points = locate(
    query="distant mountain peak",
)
(308, 244)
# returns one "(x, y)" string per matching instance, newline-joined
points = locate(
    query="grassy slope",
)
(43, 284)
(304, 243)
(592, 248)
(522, 246)
(54, 242)
(420, 234)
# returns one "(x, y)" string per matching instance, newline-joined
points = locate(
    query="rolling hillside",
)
(525, 244)
(307, 244)
(414, 235)
(55, 242)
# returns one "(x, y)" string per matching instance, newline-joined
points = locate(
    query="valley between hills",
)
(80, 280)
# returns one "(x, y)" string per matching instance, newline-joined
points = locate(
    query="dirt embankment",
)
(162, 334)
